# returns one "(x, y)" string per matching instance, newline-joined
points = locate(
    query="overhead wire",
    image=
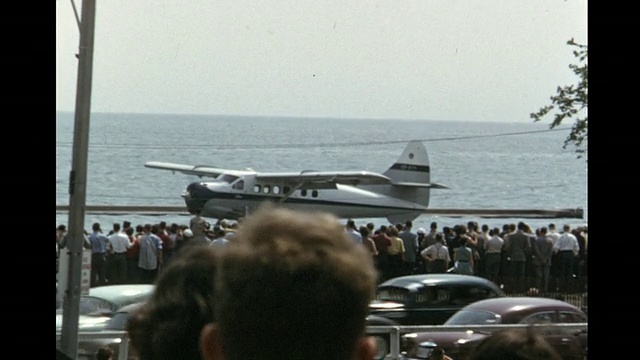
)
(309, 145)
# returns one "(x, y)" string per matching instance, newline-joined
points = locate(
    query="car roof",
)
(510, 306)
(121, 295)
(418, 281)
(131, 307)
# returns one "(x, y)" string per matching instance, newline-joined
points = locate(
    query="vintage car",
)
(570, 343)
(428, 299)
(118, 322)
(102, 302)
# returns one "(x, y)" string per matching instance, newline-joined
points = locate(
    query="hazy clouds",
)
(484, 60)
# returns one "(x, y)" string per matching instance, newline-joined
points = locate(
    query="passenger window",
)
(569, 317)
(286, 189)
(314, 193)
(256, 188)
(266, 189)
(239, 185)
(303, 192)
(276, 189)
(443, 296)
(539, 318)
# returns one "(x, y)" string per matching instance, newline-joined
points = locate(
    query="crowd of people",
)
(515, 257)
(281, 287)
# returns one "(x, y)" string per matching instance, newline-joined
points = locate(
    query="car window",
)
(393, 294)
(465, 295)
(571, 317)
(474, 317)
(118, 322)
(547, 317)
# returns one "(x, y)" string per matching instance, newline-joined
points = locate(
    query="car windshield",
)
(473, 317)
(118, 322)
(90, 304)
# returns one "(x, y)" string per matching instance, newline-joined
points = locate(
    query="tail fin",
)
(411, 175)
(412, 166)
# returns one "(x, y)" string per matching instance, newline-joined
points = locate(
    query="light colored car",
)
(118, 322)
(102, 302)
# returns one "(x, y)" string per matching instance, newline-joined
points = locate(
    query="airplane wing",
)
(199, 170)
(323, 179)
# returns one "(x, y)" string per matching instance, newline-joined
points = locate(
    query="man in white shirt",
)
(220, 240)
(437, 255)
(552, 233)
(350, 228)
(117, 260)
(567, 249)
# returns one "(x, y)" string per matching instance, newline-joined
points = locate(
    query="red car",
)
(570, 344)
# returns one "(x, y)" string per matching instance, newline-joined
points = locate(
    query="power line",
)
(315, 145)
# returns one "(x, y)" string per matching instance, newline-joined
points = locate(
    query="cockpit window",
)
(227, 178)
(239, 185)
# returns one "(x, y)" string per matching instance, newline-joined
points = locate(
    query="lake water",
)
(487, 165)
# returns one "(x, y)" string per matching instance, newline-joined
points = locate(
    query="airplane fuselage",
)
(221, 199)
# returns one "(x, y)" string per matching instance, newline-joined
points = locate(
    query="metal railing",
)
(395, 334)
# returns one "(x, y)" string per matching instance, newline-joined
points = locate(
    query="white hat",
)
(188, 233)
(421, 231)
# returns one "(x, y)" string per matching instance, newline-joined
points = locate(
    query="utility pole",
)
(78, 182)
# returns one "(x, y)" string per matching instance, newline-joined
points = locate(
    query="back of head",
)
(289, 284)
(169, 325)
(515, 344)
(104, 353)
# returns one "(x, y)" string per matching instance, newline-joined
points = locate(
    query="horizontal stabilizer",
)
(419, 185)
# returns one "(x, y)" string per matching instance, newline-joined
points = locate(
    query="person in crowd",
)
(517, 247)
(383, 242)
(133, 253)
(168, 326)
(286, 286)
(567, 249)
(422, 264)
(437, 256)
(463, 258)
(219, 240)
(150, 258)
(99, 247)
(104, 353)
(515, 344)
(493, 256)
(119, 242)
(352, 230)
(430, 238)
(367, 241)
(542, 254)
(396, 253)
(410, 240)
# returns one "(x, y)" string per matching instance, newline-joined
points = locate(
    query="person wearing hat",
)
(183, 237)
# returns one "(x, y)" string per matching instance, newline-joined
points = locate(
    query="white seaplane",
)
(401, 193)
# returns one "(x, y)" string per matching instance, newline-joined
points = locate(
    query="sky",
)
(462, 60)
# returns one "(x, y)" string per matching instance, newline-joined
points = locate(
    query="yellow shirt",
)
(396, 247)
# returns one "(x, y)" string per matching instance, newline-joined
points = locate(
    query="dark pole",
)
(78, 182)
